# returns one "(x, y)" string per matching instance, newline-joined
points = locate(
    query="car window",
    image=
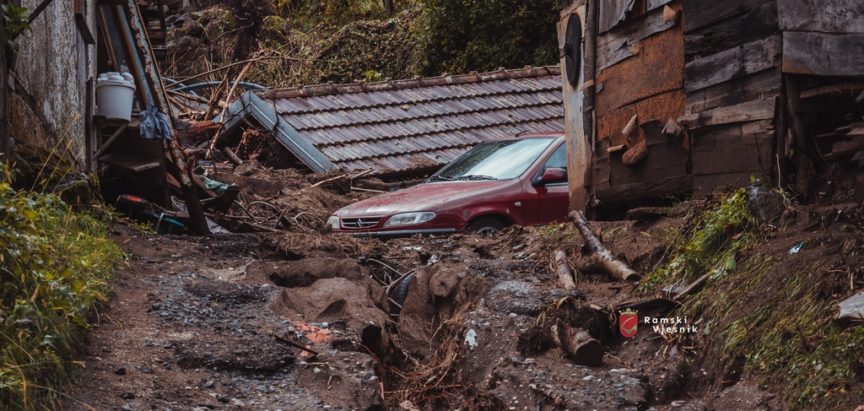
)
(558, 158)
(498, 160)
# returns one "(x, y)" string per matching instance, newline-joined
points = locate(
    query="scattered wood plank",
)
(739, 113)
(737, 62)
(600, 253)
(827, 16)
(130, 163)
(823, 54)
(565, 274)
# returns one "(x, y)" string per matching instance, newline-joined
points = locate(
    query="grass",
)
(54, 268)
(766, 314)
(712, 245)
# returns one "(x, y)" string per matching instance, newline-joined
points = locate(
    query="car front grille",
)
(360, 223)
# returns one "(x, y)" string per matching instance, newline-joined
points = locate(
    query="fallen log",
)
(603, 257)
(578, 346)
(565, 274)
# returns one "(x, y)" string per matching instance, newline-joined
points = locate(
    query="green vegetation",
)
(459, 36)
(763, 315)
(54, 267)
(711, 247)
(301, 42)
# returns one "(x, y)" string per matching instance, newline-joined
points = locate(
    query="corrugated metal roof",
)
(419, 124)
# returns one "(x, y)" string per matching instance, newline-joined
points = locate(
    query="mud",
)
(300, 320)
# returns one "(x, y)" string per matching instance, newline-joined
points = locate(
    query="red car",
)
(519, 181)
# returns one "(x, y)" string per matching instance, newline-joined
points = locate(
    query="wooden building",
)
(672, 98)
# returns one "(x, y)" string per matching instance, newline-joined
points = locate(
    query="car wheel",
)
(486, 225)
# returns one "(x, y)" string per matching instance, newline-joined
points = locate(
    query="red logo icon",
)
(628, 323)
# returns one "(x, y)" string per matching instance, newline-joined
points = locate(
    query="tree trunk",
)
(388, 6)
(565, 274)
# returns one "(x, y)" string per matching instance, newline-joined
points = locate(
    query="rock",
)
(765, 204)
(127, 396)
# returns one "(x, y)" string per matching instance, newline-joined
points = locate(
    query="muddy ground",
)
(297, 321)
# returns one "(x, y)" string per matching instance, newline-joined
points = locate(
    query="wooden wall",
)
(640, 66)
(732, 82)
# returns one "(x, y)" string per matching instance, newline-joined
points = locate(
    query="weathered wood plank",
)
(753, 87)
(730, 149)
(755, 24)
(613, 47)
(739, 113)
(701, 13)
(653, 4)
(647, 189)
(613, 13)
(745, 59)
(827, 16)
(823, 54)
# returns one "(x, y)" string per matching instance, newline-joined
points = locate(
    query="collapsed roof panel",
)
(413, 126)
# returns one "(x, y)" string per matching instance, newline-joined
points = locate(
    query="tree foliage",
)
(474, 35)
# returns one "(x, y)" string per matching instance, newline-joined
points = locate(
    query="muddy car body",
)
(521, 181)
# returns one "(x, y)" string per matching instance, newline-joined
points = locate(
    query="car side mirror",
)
(551, 175)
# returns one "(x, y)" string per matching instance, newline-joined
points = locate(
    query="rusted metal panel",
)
(623, 43)
(650, 85)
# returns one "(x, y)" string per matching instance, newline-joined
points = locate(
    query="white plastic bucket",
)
(115, 95)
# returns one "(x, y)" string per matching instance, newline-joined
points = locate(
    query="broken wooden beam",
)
(604, 258)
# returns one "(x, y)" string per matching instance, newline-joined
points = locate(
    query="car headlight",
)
(409, 219)
(333, 222)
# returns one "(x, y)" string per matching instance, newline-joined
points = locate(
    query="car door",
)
(550, 202)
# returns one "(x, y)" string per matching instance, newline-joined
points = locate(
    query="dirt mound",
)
(305, 272)
(336, 301)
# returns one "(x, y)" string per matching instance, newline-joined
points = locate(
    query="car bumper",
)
(400, 233)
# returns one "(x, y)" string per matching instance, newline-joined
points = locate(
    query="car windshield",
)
(498, 160)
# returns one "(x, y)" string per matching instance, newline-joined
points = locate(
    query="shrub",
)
(54, 267)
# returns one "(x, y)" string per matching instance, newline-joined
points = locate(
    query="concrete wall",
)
(51, 71)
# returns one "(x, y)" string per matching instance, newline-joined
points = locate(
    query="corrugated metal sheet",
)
(416, 125)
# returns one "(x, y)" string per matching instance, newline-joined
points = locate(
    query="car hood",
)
(435, 196)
